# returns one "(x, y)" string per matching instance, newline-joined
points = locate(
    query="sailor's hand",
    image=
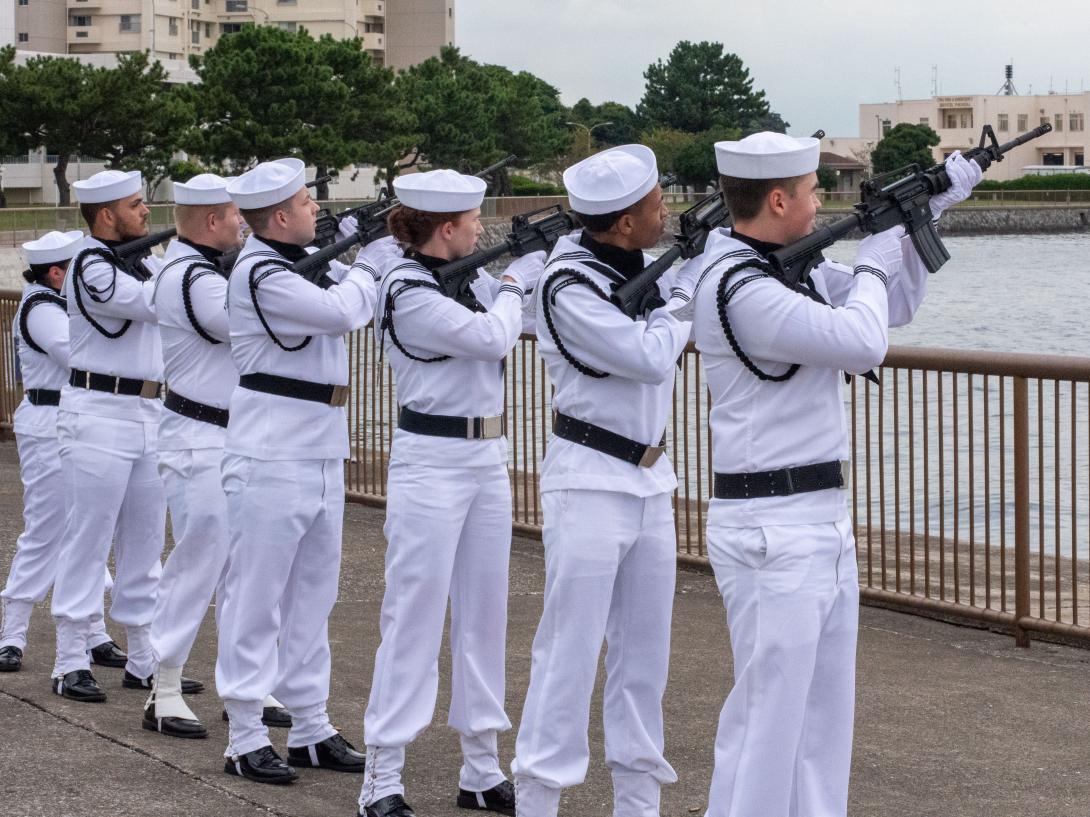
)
(880, 254)
(376, 257)
(526, 271)
(347, 226)
(964, 176)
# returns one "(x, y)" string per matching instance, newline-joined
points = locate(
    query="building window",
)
(24, 37)
(230, 28)
(1059, 120)
(1044, 120)
(1076, 123)
(1004, 123)
(207, 29)
(288, 25)
(925, 121)
(130, 23)
(1078, 160)
(373, 28)
(79, 20)
(886, 127)
(24, 2)
(1023, 121)
(237, 5)
(287, 2)
(172, 26)
(1052, 159)
(966, 120)
(195, 5)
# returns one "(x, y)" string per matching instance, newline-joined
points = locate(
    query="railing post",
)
(1021, 509)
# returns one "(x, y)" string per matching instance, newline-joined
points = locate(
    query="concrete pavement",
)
(950, 721)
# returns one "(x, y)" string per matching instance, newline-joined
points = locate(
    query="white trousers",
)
(34, 565)
(194, 569)
(285, 519)
(449, 536)
(784, 743)
(110, 485)
(610, 567)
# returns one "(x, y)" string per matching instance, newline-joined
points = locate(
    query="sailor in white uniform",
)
(40, 330)
(108, 427)
(191, 303)
(283, 473)
(606, 488)
(779, 535)
(448, 518)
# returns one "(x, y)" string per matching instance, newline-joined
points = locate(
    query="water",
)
(1004, 293)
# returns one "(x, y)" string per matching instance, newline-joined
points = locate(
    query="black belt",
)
(606, 441)
(44, 397)
(443, 425)
(299, 389)
(194, 410)
(129, 386)
(782, 482)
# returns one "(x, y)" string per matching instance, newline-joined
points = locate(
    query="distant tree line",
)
(265, 93)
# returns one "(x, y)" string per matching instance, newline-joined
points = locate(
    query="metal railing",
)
(970, 488)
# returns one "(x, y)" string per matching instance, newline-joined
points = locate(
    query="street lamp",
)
(589, 130)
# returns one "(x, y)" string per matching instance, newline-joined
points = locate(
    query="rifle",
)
(696, 223)
(901, 202)
(371, 226)
(530, 232)
(131, 253)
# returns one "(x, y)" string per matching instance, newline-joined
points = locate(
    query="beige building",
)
(174, 29)
(958, 121)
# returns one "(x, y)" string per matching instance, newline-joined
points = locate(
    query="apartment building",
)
(174, 29)
(958, 121)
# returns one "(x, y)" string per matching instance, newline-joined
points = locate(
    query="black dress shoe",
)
(262, 766)
(79, 685)
(108, 654)
(392, 806)
(500, 798)
(334, 753)
(174, 727)
(274, 717)
(189, 686)
(11, 659)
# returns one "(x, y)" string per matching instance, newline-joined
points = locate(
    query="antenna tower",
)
(1008, 88)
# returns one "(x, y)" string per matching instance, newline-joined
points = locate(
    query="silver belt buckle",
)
(845, 473)
(651, 455)
(149, 389)
(339, 398)
(491, 427)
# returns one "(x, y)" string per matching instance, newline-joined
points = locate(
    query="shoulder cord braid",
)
(388, 318)
(98, 295)
(24, 314)
(548, 294)
(723, 296)
(188, 277)
(274, 265)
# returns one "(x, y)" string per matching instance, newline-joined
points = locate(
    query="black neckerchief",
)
(112, 243)
(429, 262)
(292, 252)
(762, 248)
(463, 294)
(628, 263)
(211, 254)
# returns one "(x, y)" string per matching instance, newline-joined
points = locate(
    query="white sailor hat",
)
(440, 191)
(52, 248)
(768, 155)
(267, 184)
(207, 188)
(611, 180)
(108, 185)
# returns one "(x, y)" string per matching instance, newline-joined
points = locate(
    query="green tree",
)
(695, 162)
(905, 144)
(700, 87)
(826, 177)
(623, 127)
(470, 115)
(147, 117)
(266, 93)
(668, 145)
(56, 104)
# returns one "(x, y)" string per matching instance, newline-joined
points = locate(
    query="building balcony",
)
(84, 5)
(372, 8)
(373, 42)
(84, 35)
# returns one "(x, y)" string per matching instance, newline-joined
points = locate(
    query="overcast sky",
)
(816, 60)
